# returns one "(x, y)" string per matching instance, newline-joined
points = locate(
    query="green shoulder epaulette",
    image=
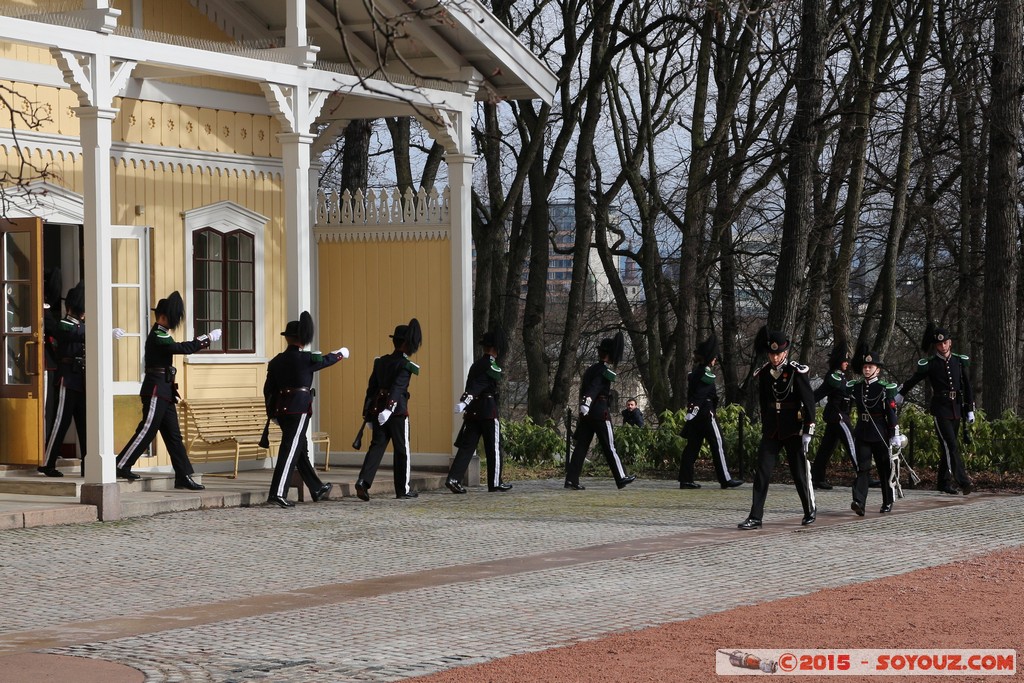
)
(316, 356)
(709, 377)
(412, 367)
(66, 323)
(891, 388)
(966, 360)
(164, 337)
(924, 361)
(836, 379)
(494, 371)
(609, 374)
(853, 382)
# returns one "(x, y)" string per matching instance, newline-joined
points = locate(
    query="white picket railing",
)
(382, 214)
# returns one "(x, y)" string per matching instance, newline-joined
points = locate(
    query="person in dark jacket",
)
(877, 429)
(632, 415)
(288, 394)
(159, 394)
(386, 410)
(948, 375)
(69, 388)
(479, 407)
(594, 418)
(787, 422)
(836, 415)
(51, 319)
(701, 424)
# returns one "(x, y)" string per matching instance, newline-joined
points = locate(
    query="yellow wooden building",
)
(181, 140)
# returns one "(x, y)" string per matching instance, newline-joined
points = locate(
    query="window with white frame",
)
(224, 266)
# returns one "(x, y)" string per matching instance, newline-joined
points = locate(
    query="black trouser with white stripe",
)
(836, 434)
(703, 428)
(69, 405)
(880, 452)
(160, 416)
(586, 429)
(799, 467)
(293, 455)
(950, 459)
(470, 434)
(395, 430)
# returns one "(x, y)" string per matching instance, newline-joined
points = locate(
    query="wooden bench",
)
(233, 426)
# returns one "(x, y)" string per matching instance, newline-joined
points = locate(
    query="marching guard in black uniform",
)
(952, 400)
(51, 321)
(787, 421)
(479, 408)
(159, 394)
(594, 418)
(69, 388)
(386, 410)
(834, 387)
(288, 393)
(701, 424)
(877, 430)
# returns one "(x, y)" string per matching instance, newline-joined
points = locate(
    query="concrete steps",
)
(29, 499)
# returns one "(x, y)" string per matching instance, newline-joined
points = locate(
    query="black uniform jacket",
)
(837, 407)
(595, 389)
(50, 338)
(70, 348)
(482, 385)
(787, 401)
(288, 389)
(950, 382)
(700, 389)
(388, 387)
(876, 410)
(160, 371)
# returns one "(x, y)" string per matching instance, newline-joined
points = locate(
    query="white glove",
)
(806, 440)
(899, 399)
(584, 409)
(343, 352)
(383, 416)
(118, 333)
(459, 407)
(970, 417)
(215, 335)
(692, 414)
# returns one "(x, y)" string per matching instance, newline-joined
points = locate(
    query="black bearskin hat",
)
(51, 287)
(933, 334)
(840, 354)
(612, 347)
(75, 300)
(707, 350)
(411, 335)
(173, 307)
(301, 329)
(494, 339)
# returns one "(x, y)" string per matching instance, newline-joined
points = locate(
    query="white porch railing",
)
(384, 214)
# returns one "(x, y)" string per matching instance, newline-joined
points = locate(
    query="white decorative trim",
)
(226, 216)
(377, 234)
(42, 199)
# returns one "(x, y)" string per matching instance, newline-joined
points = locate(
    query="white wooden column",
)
(297, 221)
(460, 186)
(99, 465)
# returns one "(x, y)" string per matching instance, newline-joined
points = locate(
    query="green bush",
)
(526, 442)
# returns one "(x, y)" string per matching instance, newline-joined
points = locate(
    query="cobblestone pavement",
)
(385, 590)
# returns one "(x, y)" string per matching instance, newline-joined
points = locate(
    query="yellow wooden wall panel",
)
(242, 132)
(150, 123)
(275, 144)
(47, 109)
(207, 129)
(126, 11)
(67, 102)
(170, 128)
(420, 271)
(130, 118)
(188, 124)
(225, 131)
(261, 136)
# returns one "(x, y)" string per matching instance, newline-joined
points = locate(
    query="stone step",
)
(32, 483)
